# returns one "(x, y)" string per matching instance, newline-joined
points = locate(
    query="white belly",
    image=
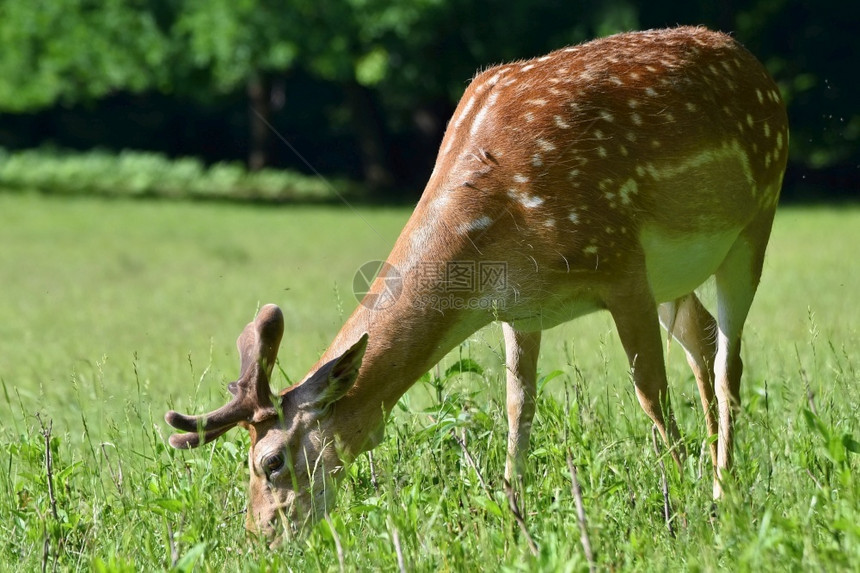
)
(677, 264)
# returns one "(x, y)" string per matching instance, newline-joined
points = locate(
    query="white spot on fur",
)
(479, 119)
(636, 118)
(560, 123)
(524, 199)
(544, 144)
(574, 217)
(478, 224)
(495, 79)
(531, 201)
(464, 112)
(520, 178)
(629, 188)
(694, 163)
(537, 160)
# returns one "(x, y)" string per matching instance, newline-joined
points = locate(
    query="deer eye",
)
(273, 463)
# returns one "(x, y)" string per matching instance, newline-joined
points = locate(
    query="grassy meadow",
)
(114, 311)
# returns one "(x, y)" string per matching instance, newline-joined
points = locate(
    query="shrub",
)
(144, 174)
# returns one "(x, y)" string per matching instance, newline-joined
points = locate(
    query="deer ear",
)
(331, 382)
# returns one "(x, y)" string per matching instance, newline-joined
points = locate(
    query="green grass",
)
(113, 312)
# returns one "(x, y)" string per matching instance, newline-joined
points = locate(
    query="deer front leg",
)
(696, 330)
(635, 314)
(521, 354)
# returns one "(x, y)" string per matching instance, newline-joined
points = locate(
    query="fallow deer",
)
(619, 174)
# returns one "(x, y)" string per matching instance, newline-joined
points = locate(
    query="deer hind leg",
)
(695, 330)
(521, 354)
(737, 280)
(635, 314)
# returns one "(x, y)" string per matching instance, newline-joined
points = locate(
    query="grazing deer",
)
(619, 174)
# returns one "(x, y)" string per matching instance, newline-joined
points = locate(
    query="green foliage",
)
(140, 174)
(115, 311)
(234, 40)
(72, 50)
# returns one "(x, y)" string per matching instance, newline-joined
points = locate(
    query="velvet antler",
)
(252, 397)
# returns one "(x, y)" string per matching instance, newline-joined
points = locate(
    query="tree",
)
(242, 43)
(76, 50)
(257, 43)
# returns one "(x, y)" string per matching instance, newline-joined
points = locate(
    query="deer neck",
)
(413, 320)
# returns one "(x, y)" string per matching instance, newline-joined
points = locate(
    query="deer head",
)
(293, 460)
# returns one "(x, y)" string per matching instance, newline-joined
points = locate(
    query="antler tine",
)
(259, 354)
(193, 439)
(258, 349)
(226, 416)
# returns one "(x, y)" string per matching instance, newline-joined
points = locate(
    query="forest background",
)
(361, 90)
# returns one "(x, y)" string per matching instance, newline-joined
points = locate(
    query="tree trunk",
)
(369, 132)
(259, 94)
